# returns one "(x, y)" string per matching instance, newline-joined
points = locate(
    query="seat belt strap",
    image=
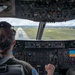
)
(5, 59)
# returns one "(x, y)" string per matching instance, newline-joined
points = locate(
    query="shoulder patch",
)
(34, 72)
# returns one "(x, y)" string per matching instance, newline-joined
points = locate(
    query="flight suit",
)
(28, 69)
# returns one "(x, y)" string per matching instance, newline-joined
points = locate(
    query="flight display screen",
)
(72, 53)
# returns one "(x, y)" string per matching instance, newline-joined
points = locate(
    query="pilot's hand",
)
(50, 69)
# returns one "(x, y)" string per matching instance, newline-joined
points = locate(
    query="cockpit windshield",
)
(26, 29)
(59, 31)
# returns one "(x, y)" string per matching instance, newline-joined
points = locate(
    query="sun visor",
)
(7, 8)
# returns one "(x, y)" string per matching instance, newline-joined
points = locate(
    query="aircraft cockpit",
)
(45, 32)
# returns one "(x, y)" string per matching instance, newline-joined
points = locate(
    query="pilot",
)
(7, 42)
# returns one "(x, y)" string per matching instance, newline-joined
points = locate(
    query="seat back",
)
(11, 70)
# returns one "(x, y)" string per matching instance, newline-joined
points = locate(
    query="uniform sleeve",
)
(34, 72)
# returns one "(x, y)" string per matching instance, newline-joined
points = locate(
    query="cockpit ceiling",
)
(39, 10)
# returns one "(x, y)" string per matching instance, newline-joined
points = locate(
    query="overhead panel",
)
(39, 10)
(46, 10)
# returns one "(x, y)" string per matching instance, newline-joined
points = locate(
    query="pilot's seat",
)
(11, 70)
(5, 69)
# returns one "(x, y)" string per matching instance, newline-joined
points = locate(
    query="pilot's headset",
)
(7, 35)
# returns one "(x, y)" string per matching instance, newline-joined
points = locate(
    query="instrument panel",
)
(40, 53)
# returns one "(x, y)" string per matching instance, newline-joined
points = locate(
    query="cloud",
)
(19, 22)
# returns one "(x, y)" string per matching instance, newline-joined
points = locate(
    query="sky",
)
(24, 22)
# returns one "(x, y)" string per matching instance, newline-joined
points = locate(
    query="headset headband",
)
(4, 24)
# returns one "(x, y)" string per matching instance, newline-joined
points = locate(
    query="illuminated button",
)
(29, 54)
(72, 55)
(38, 65)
